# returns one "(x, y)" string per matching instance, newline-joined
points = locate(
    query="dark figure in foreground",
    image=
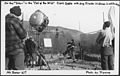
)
(70, 49)
(31, 51)
(34, 57)
(15, 35)
(105, 40)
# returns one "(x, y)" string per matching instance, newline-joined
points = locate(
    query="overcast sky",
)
(88, 17)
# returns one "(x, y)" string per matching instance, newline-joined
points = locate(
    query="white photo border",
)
(57, 72)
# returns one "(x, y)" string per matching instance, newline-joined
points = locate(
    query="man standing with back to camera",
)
(105, 40)
(15, 34)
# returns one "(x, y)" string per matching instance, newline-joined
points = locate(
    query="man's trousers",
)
(15, 61)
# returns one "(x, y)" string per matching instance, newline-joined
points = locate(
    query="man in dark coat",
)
(70, 49)
(105, 40)
(15, 34)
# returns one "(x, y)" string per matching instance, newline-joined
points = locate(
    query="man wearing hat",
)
(105, 40)
(15, 34)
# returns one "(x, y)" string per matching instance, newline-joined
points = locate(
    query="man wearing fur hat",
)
(15, 34)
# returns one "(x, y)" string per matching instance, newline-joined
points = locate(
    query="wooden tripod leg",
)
(45, 62)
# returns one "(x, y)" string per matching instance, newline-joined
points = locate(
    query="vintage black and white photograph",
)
(60, 37)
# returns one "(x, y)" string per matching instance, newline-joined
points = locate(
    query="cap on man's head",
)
(106, 24)
(16, 10)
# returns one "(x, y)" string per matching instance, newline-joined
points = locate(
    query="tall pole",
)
(81, 56)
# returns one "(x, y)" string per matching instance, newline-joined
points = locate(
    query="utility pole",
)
(81, 50)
